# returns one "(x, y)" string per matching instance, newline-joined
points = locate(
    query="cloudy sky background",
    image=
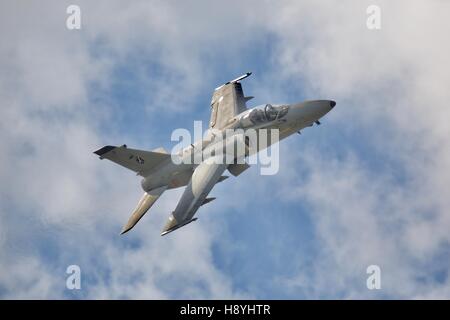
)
(369, 186)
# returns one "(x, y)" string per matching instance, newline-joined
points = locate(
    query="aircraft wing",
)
(227, 101)
(139, 161)
(205, 176)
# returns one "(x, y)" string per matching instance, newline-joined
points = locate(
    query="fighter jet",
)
(162, 171)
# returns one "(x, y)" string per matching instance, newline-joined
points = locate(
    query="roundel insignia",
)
(139, 160)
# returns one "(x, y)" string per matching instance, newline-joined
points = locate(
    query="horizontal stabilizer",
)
(139, 161)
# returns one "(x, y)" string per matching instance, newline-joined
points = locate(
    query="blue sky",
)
(368, 186)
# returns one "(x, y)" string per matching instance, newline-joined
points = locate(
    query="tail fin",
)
(147, 200)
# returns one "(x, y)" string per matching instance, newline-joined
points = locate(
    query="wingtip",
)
(125, 230)
(104, 150)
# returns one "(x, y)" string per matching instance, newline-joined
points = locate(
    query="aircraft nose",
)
(312, 110)
(332, 103)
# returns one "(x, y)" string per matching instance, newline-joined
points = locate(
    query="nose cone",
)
(324, 106)
(312, 110)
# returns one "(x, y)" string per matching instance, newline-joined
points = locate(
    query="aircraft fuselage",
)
(298, 116)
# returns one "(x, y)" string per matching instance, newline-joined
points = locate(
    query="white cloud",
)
(390, 86)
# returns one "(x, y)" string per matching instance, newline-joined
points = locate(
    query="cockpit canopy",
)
(267, 114)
